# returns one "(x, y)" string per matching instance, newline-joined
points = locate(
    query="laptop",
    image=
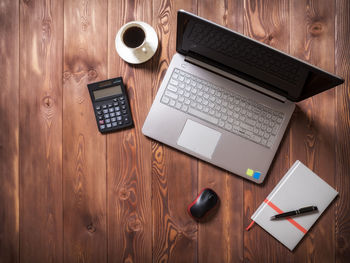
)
(227, 99)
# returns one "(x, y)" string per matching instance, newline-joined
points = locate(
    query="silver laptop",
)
(227, 99)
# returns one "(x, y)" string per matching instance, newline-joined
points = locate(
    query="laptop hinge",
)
(235, 78)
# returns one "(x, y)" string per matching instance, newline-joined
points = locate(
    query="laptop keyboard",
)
(225, 109)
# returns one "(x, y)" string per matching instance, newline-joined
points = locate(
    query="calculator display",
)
(107, 92)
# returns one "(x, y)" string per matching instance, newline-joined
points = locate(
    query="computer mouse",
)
(205, 202)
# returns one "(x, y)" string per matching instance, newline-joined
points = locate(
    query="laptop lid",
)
(249, 59)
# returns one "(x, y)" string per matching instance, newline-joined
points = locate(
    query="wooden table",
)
(68, 193)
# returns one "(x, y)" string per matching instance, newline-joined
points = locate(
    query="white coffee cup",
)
(136, 42)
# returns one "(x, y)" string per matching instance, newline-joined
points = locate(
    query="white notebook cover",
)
(300, 187)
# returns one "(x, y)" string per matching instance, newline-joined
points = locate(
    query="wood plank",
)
(129, 153)
(342, 138)
(268, 22)
(312, 142)
(147, 194)
(174, 175)
(225, 229)
(84, 148)
(9, 112)
(40, 125)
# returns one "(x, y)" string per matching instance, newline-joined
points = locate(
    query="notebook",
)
(227, 99)
(300, 187)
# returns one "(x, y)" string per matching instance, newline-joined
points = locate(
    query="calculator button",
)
(102, 127)
(113, 119)
(98, 107)
(117, 108)
(124, 111)
(121, 98)
(123, 107)
(104, 106)
(115, 103)
(106, 116)
(109, 125)
(99, 112)
(117, 113)
(105, 111)
(119, 118)
(112, 114)
(100, 117)
(126, 119)
(101, 122)
(122, 102)
(115, 100)
(120, 123)
(107, 120)
(111, 109)
(114, 124)
(110, 105)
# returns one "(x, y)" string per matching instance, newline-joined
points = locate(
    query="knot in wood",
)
(46, 28)
(47, 102)
(66, 76)
(27, 2)
(92, 74)
(91, 228)
(134, 224)
(124, 194)
(159, 153)
(316, 29)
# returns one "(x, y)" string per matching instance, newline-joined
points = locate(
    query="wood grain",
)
(9, 119)
(40, 125)
(225, 230)
(268, 22)
(342, 138)
(312, 31)
(71, 194)
(84, 151)
(129, 181)
(174, 175)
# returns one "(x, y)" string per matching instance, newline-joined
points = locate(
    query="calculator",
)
(111, 105)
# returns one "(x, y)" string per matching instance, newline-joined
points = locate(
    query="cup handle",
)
(144, 50)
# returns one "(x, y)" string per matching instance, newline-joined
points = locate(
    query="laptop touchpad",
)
(199, 138)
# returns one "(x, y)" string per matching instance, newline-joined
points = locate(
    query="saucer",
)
(136, 55)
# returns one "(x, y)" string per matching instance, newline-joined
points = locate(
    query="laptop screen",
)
(250, 59)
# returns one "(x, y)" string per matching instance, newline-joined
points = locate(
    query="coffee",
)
(133, 36)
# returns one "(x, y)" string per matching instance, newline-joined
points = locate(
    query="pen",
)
(295, 212)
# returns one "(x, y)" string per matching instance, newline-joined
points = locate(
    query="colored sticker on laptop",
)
(254, 174)
(249, 172)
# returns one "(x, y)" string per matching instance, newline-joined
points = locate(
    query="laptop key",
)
(165, 100)
(202, 115)
(228, 126)
(174, 82)
(172, 88)
(184, 108)
(171, 95)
